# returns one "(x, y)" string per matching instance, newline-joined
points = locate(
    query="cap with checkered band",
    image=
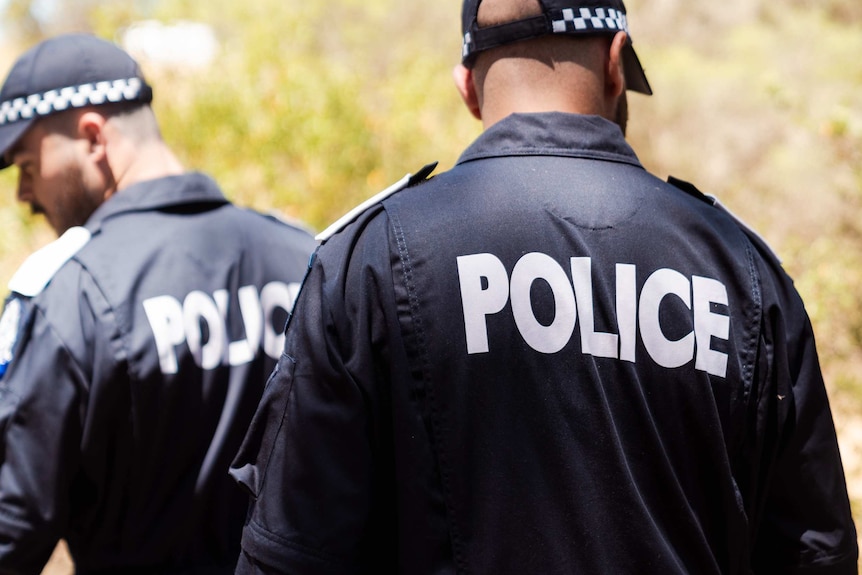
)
(575, 17)
(64, 72)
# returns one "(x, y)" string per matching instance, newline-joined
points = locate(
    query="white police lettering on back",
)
(174, 323)
(486, 289)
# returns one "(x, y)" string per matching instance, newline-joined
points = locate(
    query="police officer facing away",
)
(546, 360)
(134, 349)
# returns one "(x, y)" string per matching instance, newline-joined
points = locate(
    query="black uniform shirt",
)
(135, 354)
(546, 360)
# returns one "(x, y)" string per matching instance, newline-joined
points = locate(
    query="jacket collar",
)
(172, 191)
(552, 134)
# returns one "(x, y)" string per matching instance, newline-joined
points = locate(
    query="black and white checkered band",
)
(600, 19)
(36, 105)
(565, 21)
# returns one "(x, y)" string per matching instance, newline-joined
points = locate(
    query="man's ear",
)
(463, 77)
(615, 76)
(91, 128)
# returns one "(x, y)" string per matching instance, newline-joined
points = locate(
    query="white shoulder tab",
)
(39, 268)
(404, 182)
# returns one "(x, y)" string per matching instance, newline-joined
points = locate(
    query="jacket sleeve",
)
(805, 523)
(40, 431)
(308, 459)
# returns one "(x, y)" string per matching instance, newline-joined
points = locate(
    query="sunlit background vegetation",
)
(306, 108)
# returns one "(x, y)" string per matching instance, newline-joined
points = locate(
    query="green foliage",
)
(306, 113)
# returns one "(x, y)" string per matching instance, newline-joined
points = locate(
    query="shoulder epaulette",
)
(40, 267)
(405, 182)
(756, 238)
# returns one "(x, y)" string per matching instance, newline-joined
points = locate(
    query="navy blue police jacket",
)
(134, 353)
(546, 360)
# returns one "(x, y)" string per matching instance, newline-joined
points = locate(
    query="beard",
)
(36, 209)
(72, 205)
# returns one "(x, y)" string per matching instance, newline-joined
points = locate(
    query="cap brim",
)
(635, 76)
(9, 136)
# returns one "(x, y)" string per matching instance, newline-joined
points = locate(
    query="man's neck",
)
(148, 162)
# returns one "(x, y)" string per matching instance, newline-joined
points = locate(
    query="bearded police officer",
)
(134, 349)
(546, 360)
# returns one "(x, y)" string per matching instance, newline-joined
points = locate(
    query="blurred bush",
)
(311, 107)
